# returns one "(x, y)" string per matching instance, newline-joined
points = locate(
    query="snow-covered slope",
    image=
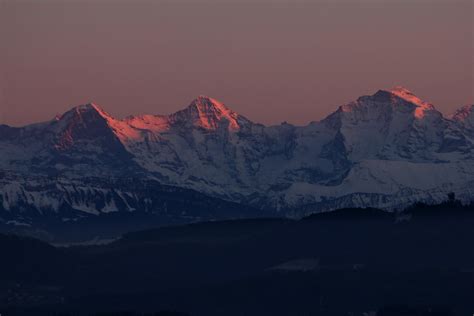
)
(386, 150)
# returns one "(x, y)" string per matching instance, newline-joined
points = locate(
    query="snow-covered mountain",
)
(386, 150)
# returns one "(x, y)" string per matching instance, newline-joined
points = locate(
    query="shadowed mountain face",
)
(386, 150)
(349, 261)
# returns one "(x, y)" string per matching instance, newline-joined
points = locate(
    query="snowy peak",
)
(393, 100)
(90, 107)
(464, 113)
(421, 106)
(83, 122)
(207, 113)
(387, 100)
(204, 102)
(465, 117)
(84, 112)
(404, 93)
(390, 124)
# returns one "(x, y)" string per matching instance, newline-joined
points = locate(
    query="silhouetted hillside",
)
(351, 261)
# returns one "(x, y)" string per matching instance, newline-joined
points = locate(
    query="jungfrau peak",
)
(421, 106)
(385, 150)
(391, 124)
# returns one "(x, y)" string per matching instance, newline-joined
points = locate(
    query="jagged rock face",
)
(385, 150)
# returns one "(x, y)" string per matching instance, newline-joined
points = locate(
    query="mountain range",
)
(387, 150)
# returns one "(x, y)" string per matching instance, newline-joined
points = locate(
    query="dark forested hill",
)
(419, 262)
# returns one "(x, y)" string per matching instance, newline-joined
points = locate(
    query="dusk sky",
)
(268, 60)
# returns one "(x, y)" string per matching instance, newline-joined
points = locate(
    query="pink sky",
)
(268, 60)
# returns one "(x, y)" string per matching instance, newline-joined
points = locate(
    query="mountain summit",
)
(421, 106)
(207, 113)
(465, 114)
(84, 112)
(407, 95)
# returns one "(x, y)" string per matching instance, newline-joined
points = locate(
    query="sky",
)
(269, 60)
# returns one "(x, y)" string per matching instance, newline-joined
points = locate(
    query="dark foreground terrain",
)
(348, 262)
